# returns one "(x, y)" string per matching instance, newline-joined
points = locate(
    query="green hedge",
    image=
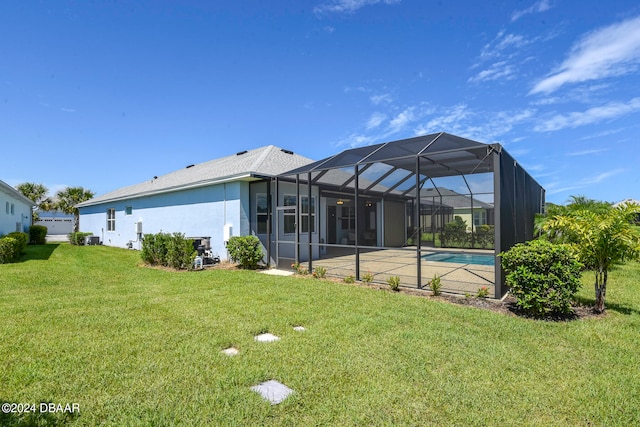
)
(245, 250)
(9, 249)
(78, 238)
(168, 250)
(22, 239)
(38, 234)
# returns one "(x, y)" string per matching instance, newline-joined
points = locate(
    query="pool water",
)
(461, 258)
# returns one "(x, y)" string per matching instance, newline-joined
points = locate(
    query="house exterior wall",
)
(15, 214)
(467, 215)
(198, 212)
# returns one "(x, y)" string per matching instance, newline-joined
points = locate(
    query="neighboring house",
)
(57, 222)
(216, 200)
(473, 211)
(15, 210)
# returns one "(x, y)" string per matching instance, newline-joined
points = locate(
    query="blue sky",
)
(105, 94)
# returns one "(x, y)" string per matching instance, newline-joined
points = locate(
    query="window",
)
(308, 212)
(7, 208)
(111, 219)
(479, 218)
(262, 213)
(308, 208)
(290, 214)
(12, 208)
(128, 210)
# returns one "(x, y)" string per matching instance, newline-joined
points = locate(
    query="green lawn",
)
(138, 346)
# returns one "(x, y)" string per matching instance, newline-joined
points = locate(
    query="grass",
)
(139, 346)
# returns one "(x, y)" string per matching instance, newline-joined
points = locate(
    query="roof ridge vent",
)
(190, 166)
(286, 151)
(240, 153)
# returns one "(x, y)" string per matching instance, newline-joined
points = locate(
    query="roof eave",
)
(243, 177)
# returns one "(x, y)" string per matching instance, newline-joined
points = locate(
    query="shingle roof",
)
(453, 199)
(246, 165)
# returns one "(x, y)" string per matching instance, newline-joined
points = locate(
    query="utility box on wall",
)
(228, 233)
(139, 227)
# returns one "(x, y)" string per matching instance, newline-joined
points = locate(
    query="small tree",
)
(603, 238)
(69, 198)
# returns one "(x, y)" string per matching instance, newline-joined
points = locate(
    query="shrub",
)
(9, 250)
(180, 252)
(483, 292)
(154, 248)
(319, 272)
(542, 276)
(349, 279)
(484, 236)
(22, 239)
(435, 285)
(78, 237)
(245, 250)
(367, 278)
(394, 283)
(37, 234)
(168, 250)
(299, 268)
(455, 234)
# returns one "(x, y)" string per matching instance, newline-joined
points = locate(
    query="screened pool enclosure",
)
(432, 205)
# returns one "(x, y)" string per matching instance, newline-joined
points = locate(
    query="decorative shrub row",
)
(37, 234)
(542, 276)
(245, 250)
(168, 250)
(12, 246)
(78, 238)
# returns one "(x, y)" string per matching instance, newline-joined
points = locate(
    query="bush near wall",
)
(9, 249)
(78, 238)
(38, 234)
(168, 250)
(543, 277)
(22, 239)
(245, 250)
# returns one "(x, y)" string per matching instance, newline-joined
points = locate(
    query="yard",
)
(138, 346)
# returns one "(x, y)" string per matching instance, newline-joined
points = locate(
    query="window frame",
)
(111, 219)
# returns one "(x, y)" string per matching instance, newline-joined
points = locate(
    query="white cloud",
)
(611, 110)
(348, 6)
(610, 51)
(537, 7)
(401, 119)
(497, 71)
(587, 152)
(384, 98)
(355, 140)
(376, 120)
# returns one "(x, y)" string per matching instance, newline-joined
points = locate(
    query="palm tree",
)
(69, 198)
(38, 194)
(602, 238)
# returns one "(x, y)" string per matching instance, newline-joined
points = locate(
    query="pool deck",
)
(384, 263)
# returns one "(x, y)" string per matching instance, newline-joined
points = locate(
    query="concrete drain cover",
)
(266, 337)
(231, 351)
(273, 391)
(299, 328)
